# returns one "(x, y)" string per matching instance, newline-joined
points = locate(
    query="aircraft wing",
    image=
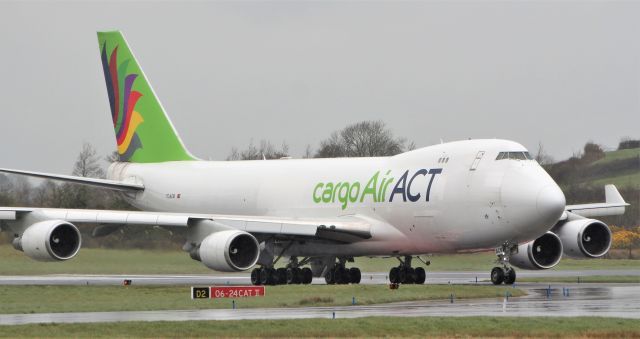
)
(346, 228)
(614, 205)
(104, 183)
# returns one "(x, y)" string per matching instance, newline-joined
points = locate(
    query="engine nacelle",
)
(229, 251)
(540, 254)
(50, 240)
(584, 238)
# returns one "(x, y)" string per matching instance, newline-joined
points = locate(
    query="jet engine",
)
(542, 253)
(229, 251)
(584, 238)
(50, 240)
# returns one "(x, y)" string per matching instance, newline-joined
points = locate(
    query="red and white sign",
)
(236, 291)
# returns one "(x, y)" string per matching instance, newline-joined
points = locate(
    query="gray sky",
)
(560, 73)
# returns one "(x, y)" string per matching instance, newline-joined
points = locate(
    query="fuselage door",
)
(476, 161)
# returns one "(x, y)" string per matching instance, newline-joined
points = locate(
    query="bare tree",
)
(112, 157)
(266, 150)
(88, 163)
(308, 152)
(542, 157)
(79, 196)
(363, 139)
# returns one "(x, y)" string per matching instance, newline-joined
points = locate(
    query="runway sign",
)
(215, 292)
(200, 292)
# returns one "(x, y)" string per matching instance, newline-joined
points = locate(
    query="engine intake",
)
(51, 240)
(540, 254)
(584, 238)
(229, 251)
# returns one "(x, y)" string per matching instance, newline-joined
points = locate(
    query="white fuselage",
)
(474, 200)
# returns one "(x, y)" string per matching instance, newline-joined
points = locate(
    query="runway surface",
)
(609, 300)
(243, 279)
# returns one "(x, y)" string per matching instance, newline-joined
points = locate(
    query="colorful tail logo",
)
(123, 102)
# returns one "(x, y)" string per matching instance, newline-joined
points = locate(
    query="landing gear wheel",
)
(354, 275)
(292, 276)
(497, 275)
(394, 275)
(420, 275)
(330, 277)
(255, 276)
(341, 275)
(272, 277)
(402, 275)
(509, 276)
(307, 275)
(410, 275)
(264, 276)
(281, 273)
(298, 275)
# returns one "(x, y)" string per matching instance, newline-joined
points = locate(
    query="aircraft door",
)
(476, 161)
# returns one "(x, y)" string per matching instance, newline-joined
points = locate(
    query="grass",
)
(111, 261)
(623, 279)
(46, 299)
(103, 261)
(624, 180)
(419, 327)
(617, 155)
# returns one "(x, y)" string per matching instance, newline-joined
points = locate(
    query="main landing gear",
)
(339, 275)
(405, 274)
(290, 275)
(505, 274)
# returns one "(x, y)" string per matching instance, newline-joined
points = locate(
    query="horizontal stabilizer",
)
(104, 183)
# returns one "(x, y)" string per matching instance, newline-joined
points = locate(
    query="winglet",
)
(612, 196)
(614, 205)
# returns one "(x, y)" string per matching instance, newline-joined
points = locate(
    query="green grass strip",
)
(45, 299)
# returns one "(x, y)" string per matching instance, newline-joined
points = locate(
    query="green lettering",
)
(371, 188)
(317, 198)
(344, 198)
(328, 191)
(333, 196)
(354, 197)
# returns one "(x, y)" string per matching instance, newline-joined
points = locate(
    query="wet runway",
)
(243, 279)
(566, 300)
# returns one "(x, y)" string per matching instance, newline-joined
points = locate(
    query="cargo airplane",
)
(319, 214)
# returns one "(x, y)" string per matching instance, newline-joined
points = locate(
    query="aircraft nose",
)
(550, 202)
(532, 201)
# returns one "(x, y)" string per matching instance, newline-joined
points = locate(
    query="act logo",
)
(376, 188)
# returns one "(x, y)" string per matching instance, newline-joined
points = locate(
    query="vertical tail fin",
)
(143, 130)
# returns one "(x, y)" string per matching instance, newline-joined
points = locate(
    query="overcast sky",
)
(560, 73)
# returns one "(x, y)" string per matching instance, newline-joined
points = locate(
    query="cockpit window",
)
(514, 156)
(517, 155)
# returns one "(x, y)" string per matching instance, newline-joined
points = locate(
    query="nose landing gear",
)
(505, 274)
